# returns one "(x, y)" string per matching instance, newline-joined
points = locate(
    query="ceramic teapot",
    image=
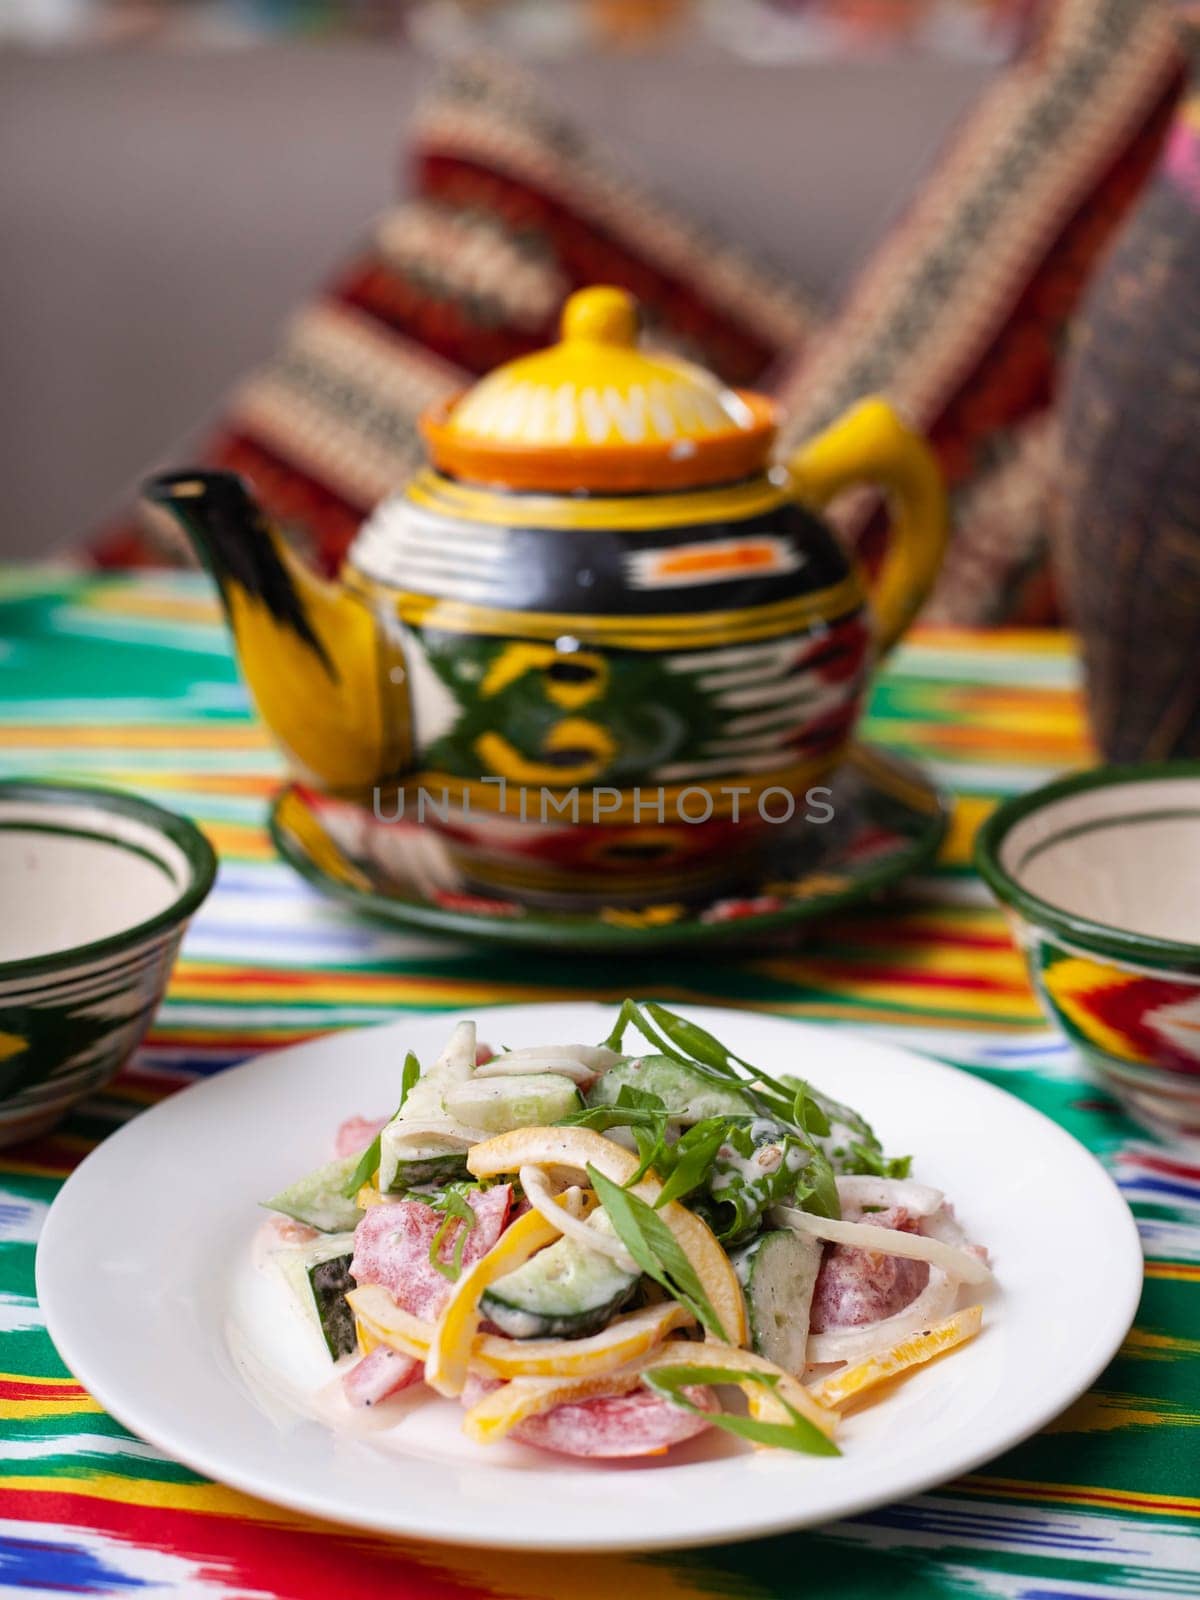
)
(600, 630)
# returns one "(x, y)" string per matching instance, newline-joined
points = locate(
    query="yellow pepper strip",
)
(624, 1340)
(575, 1148)
(384, 1322)
(761, 1401)
(499, 1412)
(449, 1356)
(367, 1341)
(852, 1382)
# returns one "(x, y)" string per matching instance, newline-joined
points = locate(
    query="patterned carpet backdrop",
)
(129, 682)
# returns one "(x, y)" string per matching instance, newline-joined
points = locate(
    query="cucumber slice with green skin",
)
(778, 1273)
(522, 1100)
(317, 1198)
(566, 1291)
(688, 1095)
(319, 1275)
(455, 1065)
(329, 1282)
(418, 1171)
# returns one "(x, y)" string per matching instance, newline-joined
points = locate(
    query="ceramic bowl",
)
(97, 890)
(1100, 874)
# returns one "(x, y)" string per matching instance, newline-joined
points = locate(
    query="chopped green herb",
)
(861, 1151)
(798, 1433)
(643, 1113)
(634, 1108)
(626, 1015)
(755, 1168)
(655, 1249)
(602, 1118)
(696, 1042)
(693, 1046)
(868, 1159)
(690, 1160)
(816, 1190)
(808, 1111)
(651, 1146)
(368, 1164)
(453, 1202)
(835, 1138)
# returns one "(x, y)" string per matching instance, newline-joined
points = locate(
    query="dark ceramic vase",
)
(1129, 532)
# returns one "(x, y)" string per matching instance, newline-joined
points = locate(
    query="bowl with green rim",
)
(1100, 876)
(96, 889)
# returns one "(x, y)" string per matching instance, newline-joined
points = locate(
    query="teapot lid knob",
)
(601, 315)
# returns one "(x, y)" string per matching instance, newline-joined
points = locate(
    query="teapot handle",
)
(870, 444)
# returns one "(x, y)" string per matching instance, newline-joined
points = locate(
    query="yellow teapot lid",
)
(596, 412)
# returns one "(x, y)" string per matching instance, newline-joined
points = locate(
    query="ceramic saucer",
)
(888, 821)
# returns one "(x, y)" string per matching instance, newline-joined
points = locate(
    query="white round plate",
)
(142, 1267)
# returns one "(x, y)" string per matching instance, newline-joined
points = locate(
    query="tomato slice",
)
(392, 1243)
(384, 1372)
(634, 1424)
(355, 1134)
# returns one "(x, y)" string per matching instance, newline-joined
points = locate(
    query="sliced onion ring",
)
(542, 1198)
(959, 1264)
(579, 1062)
(918, 1199)
(435, 1136)
(935, 1301)
(944, 1225)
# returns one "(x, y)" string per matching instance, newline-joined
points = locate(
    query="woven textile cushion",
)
(512, 210)
(960, 315)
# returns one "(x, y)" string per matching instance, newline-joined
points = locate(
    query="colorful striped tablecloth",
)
(129, 682)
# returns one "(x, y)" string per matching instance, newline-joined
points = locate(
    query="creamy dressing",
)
(754, 1171)
(836, 1143)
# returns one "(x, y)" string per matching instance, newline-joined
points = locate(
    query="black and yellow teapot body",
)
(600, 632)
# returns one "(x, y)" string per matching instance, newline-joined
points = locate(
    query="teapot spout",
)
(320, 670)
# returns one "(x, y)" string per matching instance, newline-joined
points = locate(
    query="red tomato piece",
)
(381, 1374)
(855, 1287)
(392, 1243)
(355, 1134)
(636, 1424)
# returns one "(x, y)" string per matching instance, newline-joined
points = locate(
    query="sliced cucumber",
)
(521, 1100)
(687, 1093)
(329, 1282)
(317, 1198)
(403, 1164)
(319, 1275)
(566, 1291)
(778, 1272)
(418, 1169)
(455, 1065)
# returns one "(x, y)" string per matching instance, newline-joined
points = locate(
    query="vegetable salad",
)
(604, 1250)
